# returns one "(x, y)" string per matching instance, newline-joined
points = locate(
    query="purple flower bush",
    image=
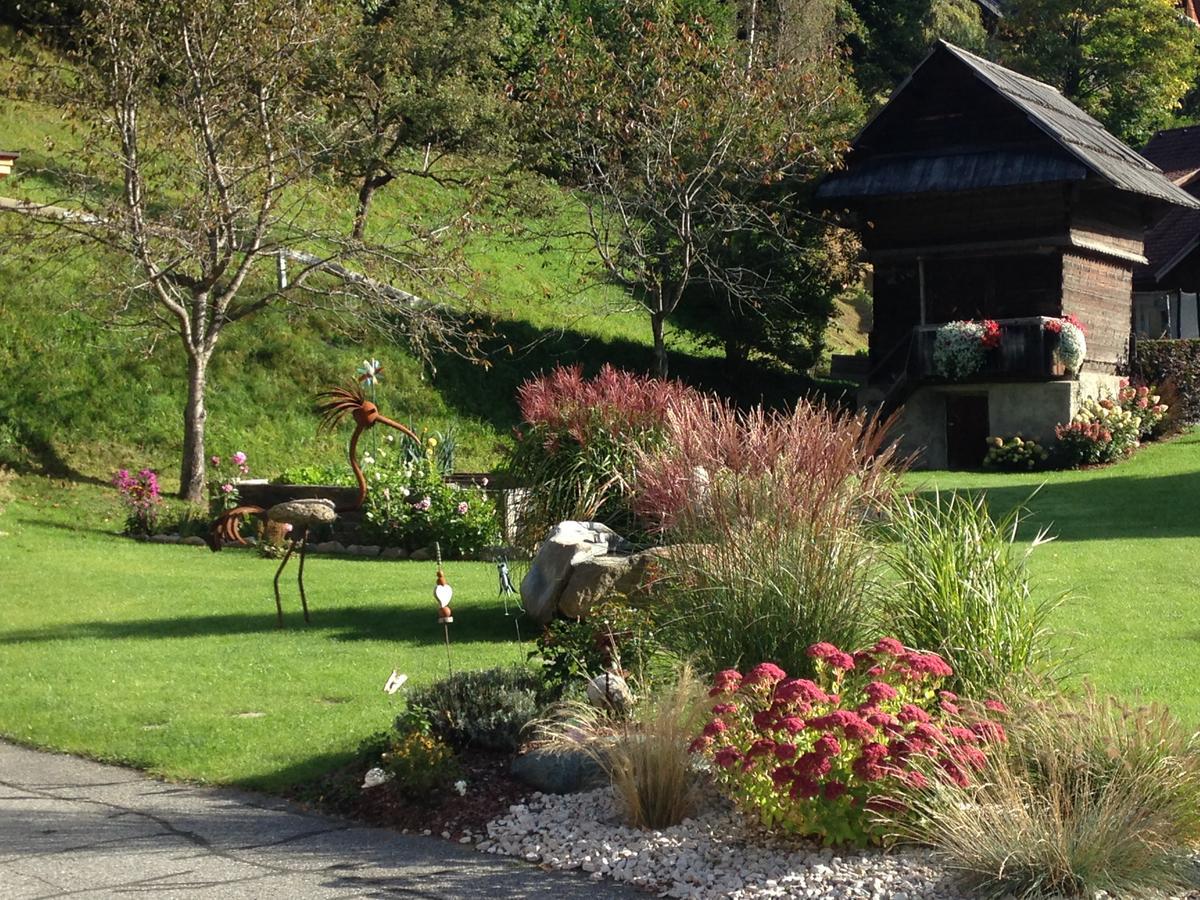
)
(141, 497)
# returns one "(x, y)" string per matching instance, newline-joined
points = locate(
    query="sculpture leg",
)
(278, 602)
(303, 539)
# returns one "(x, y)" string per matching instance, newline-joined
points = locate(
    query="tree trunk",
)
(365, 194)
(657, 320)
(736, 354)
(195, 413)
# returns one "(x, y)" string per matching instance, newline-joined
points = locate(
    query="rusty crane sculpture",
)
(333, 406)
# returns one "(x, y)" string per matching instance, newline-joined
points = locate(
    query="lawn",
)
(1127, 547)
(167, 657)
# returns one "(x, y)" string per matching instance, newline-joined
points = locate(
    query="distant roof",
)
(1176, 151)
(10, 154)
(1082, 137)
(1173, 238)
(995, 7)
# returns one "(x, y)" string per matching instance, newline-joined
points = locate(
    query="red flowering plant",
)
(141, 497)
(823, 757)
(990, 339)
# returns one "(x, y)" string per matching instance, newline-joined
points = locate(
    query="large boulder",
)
(592, 580)
(569, 545)
(558, 772)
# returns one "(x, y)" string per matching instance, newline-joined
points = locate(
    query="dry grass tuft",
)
(1090, 796)
(645, 756)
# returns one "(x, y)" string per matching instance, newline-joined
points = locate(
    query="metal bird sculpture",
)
(333, 406)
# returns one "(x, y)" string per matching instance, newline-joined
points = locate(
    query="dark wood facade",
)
(980, 193)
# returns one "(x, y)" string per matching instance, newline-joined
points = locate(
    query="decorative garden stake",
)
(442, 593)
(506, 585)
(368, 376)
(333, 406)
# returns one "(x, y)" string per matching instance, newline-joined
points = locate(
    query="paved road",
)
(74, 828)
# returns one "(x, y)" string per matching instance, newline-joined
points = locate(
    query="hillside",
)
(83, 397)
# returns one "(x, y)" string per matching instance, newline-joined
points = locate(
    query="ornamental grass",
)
(773, 513)
(1091, 795)
(645, 755)
(962, 589)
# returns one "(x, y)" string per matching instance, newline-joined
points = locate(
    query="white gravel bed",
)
(716, 854)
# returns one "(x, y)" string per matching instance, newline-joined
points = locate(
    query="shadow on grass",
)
(520, 350)
(480, 625)
(1104, 507)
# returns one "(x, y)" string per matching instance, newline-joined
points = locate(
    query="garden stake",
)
(506, 585)
(334, 405)
(442, 593)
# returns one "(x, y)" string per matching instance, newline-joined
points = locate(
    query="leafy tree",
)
(889, 37)
(410, 83)
(682, 150)
(1129, 63)
(195, 180)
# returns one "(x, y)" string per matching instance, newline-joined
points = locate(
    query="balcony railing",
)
(1026, 352)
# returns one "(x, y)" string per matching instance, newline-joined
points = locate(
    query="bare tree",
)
(196, 172)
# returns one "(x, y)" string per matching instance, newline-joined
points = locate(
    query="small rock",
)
(328, 547)
(194, 540)
(423, 554)
(394, 553)
(363, 550)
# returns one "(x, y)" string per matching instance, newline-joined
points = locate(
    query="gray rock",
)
(394, 553)
(569, 544)
(194, 540)
(593, 580)
(164, 538)
(303, 512)
(363, 550)
(558, 772)
(423, 554)
(328, 547)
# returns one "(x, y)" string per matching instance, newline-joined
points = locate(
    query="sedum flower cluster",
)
(823, 757)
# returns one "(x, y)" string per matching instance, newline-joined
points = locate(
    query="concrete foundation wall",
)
(1031, 410)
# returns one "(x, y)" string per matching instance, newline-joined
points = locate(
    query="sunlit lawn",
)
(167, 657)
(1128, 548)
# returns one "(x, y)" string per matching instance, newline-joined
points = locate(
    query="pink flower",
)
(888, 645)
(785, 751)
(722, 709)
(792, 724)
(215, 460)
(287, 527)
(836, 659)
(462, 508)
(227, 488)
(761, 747)
(699, 745)
(715, 727)
(725, 681)
(765, 673)
(239, 458)
(928, 664)
(834, 789)
(878, 691)
(995, 706)
(424, 503)
(799, 689)
(827, 745)
(726, 757)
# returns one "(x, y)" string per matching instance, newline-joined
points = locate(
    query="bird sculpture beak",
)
(404, 429)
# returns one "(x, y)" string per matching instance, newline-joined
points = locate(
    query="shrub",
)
(410, 505)
(578, 450)
(141, 498)
(959, 349)
(488, 709)
(822, 757)
(1091, 797)
(646, 755)
(223, 475)
(772, 513)
(420, 764)
(962, 589)
(1173, 362)
(1142, 401)
(1014, 455)
(617, 636)
(325, 474)
(1083, 444)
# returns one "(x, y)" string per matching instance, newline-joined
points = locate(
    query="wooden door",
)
(966, 430)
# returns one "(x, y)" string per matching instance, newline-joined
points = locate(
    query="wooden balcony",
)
(1026, 353)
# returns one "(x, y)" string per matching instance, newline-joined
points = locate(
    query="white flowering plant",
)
(959, 349)
(410, 505)
(1071, 348)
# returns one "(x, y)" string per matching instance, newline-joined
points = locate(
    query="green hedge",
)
(1174, 362)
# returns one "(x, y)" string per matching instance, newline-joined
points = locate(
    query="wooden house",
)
(981, 194)
(1166, 288)
(7, 158)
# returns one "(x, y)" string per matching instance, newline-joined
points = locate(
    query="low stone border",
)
(336, 548)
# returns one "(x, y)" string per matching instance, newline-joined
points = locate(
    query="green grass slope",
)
(81, 397)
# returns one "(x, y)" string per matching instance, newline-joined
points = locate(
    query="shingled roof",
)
(1095, 152)
(1173, 237)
